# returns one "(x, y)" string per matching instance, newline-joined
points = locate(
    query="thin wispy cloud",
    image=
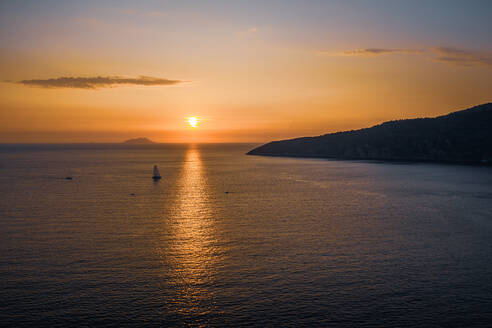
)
(249, 33)
(98, 82)
(448, 55)
(462, 57)
(377, 51)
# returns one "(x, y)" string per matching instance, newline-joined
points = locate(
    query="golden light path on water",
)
(193, 237)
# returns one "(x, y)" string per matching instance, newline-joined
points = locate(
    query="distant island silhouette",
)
(139, 141)
(460, 137)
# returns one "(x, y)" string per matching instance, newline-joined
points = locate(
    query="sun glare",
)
(193, 121)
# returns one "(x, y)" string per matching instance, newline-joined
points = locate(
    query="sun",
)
(193, 121)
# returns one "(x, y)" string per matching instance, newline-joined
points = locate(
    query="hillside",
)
(464, 136)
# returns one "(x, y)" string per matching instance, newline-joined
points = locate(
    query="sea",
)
(230, 240)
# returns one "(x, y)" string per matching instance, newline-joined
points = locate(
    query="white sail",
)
(156, 171)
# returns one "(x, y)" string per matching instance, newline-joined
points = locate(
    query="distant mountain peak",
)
(139, 141)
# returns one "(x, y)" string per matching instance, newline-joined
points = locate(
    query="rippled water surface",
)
(228, 239)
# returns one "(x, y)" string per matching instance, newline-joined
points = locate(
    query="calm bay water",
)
(229, 239)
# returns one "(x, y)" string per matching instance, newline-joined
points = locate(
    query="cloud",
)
(462, 57)
(376, 52)
(448, 55)
(97, 82)
(253, 30)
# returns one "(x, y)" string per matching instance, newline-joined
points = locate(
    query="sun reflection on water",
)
(193, 243)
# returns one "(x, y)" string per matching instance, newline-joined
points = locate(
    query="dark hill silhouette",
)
(139, 141)
(464, 136)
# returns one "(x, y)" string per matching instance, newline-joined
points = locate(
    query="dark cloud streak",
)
(377, 51)
(98, 82)
(449, 55)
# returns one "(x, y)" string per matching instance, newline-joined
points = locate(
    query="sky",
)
(249, 71)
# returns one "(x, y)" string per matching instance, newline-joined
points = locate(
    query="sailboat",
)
(69, 176)
(157, 175)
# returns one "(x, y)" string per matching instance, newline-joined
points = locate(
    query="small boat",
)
(69, 175)
(157, 175)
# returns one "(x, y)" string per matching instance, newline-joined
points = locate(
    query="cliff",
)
(464, 136)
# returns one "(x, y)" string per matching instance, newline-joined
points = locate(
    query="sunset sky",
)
(250, 71)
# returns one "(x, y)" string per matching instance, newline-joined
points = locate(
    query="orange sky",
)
(250, 71)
